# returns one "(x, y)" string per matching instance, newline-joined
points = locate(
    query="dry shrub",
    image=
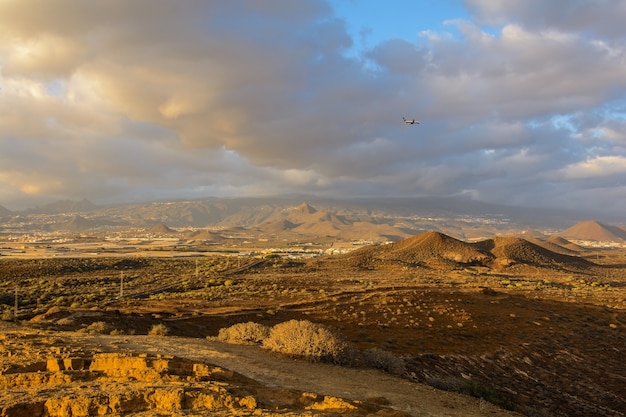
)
(384, 360)
(309, 340)
(159, 330)
(66, 321)
(97, 327)
(244, 333)
(7, 315)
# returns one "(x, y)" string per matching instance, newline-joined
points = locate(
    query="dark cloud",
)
(153, 98)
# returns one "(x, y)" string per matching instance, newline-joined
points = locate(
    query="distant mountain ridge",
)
(377, 220)
(307, 220)
(64, 206)
(5, 211)
(78, 223)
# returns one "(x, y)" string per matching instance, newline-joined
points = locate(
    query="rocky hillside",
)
(437, 250)
(512, 250)
(427, 249)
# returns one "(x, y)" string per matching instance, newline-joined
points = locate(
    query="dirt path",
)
(279, 371)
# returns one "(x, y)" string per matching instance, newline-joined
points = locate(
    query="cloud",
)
(156, 99)
(604, 167)
(604, 18)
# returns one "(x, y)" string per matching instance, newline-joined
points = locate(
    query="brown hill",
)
(564, 243)
(553, 246)
(160, 229)
(592, 230)
(204, 235)
(437, 250)
(513, 250)
(305, 208)
(430, 249)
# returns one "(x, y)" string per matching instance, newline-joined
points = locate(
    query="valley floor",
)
(542, 341)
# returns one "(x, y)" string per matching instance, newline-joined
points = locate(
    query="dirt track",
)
(269, 369)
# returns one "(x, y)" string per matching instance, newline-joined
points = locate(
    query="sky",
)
(520, 102)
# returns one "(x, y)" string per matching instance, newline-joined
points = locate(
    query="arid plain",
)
(497, 326)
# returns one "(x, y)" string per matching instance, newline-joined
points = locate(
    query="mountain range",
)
(366, 219)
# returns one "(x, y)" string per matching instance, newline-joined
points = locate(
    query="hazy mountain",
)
(77, 224)
(5, 211)
(307, 220)
(594, 231)
(302, 217)
(201, 235)
(375, 219)
(64, 206)
(195, 213)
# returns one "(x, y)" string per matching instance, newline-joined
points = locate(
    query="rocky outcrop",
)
(112, 383)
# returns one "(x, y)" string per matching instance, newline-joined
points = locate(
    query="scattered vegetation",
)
(303, 338)
(244, 333)
(487, 393)
(159, 330)
(406, 303)
(97, 327)
(7, 315)
(384, 360)
(309, 340)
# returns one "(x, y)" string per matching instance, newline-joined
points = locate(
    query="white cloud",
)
(598, 167)
(154, 98)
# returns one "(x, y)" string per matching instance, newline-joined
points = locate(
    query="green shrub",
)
(244, 333)
(308, 340)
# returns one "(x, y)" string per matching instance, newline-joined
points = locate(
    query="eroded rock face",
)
(110, 383)
(114, 383)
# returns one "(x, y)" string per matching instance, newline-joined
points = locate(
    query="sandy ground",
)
(267, 368)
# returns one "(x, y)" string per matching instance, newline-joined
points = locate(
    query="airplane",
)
(411, 122)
